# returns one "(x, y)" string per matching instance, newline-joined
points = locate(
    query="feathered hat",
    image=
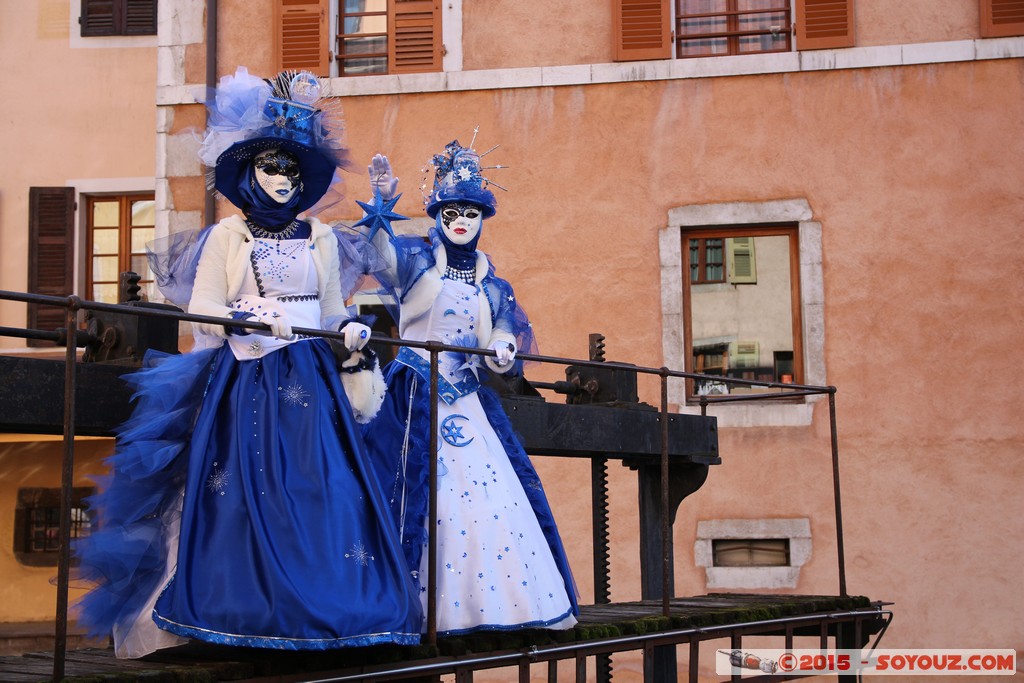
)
(248, 115)
(458, 178)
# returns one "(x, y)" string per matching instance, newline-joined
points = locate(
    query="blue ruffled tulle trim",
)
(125, 557)
(540, 623)
(294, 644)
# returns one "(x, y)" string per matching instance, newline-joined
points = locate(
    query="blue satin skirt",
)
(285, 540)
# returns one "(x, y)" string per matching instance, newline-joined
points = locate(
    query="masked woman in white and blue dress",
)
(241, 509)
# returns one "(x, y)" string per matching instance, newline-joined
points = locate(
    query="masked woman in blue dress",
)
(500, 561)
(241, 509)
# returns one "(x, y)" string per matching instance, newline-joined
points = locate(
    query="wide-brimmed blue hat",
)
(249, 115)
(458, 178)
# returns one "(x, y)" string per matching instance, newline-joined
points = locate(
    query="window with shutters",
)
(117, 229)
(1001, 18)
(359, 37)
(742, 305)
(118, 17)
(388, 37)
(662, 29)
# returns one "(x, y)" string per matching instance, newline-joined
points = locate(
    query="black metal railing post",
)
(434, 348)
(67, 480)
(666, 521)
(840, 550)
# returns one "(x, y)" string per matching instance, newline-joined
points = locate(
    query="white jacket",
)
(419, 299)
(225, 263)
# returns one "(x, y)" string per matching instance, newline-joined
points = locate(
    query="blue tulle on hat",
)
(249, 115)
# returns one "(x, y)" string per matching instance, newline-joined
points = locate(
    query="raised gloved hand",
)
(381, 177)
(356, 335)
(506, 353)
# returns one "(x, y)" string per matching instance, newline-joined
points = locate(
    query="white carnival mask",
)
(461, 222)
(277, 172)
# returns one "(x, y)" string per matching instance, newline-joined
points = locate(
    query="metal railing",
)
(73, 304)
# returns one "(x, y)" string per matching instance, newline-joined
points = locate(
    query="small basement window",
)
(751, 552)
(37, 524)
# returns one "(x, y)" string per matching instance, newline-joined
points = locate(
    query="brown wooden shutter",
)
(1001, 18)
(643, 29)
(140, 17)
(414, 36)
(823, 24)
(301, 36)
(99, 17)
(51, 253)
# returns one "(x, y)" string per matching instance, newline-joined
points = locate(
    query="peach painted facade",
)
(897, 159)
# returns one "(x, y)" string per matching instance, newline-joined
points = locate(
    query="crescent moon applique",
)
(452, 433)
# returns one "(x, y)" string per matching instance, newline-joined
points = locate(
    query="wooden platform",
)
(200, 662)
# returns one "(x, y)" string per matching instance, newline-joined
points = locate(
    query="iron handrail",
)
(72, 304)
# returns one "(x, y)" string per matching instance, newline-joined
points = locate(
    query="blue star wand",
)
(379, 214)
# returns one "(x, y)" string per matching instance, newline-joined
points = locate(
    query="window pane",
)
(106, 293)
(105, 241)
(105, 269)
(364, 46)
(139, 238)
(703, 47)
(361, 25)
(370, 65)
(763, 43)
(365, 6)
(144, 212)
(702, 6)
(106, 214)
(742, 326)
(140, 265)
(760, 552)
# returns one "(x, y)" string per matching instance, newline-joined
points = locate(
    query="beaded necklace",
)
(264, 234)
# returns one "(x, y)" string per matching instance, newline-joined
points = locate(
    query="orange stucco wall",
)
(72, 113)
(901, 167)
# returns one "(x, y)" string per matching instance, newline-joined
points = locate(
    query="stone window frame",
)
(812, 305)
(796, 530)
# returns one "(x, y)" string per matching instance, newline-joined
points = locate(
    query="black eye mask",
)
(280, 163)
(451, 212)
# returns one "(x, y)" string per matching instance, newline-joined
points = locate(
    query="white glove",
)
(356, 335)
(380, 176)
(506, 353)
(280, 327)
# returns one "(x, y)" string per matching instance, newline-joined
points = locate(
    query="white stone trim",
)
(796, 530)
(812, 305)
(451, 35)
(455, 80)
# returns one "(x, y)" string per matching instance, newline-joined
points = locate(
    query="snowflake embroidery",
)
(360, 554)
(218, 481)
(294, 395)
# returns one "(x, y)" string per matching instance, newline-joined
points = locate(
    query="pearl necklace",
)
(264, 234)
(468, 276)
